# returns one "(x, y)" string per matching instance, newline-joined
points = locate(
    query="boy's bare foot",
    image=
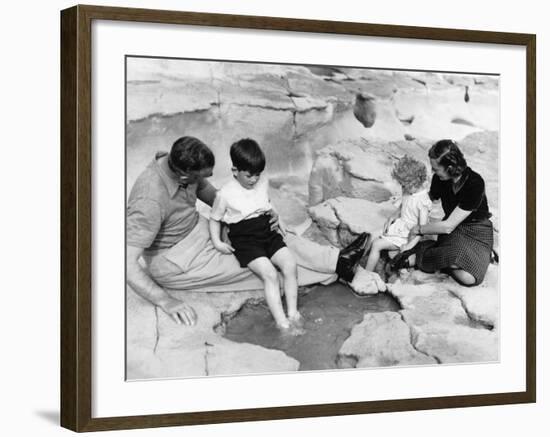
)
(283, 325)
(296, 320)
(291, 329)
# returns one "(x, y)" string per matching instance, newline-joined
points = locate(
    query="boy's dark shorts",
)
(253, 239)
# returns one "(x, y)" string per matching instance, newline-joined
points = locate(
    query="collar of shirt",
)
(170, 180)
(463, 178)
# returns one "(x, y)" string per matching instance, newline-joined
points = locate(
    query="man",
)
(164, 229)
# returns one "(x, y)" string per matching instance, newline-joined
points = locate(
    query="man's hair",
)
(409, 173)
(246, 155)
(191, 154)
(449, 156)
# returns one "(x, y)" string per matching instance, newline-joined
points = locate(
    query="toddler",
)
(414, 210)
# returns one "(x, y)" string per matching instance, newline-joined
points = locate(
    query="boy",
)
(243, 203)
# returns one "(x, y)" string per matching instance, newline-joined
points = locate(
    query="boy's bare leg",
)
(285, 261)
(268, 274)
(377, 246)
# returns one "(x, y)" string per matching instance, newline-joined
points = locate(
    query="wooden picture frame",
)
(76, 217)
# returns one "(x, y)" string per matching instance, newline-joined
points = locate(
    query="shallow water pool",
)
(330, 312)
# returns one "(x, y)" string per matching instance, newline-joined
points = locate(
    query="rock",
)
(440, 325)
(381, 340)
(481, 152)
(322, 70)
(342, 219)
(312, 116)
(229, 358)
(365, 282)
(274, 130)
(149, 98)
(306, 83)
(458, 344)
(290, 205)
(352, 169)
(378, 83)
(326, 220)
(141, 338)
(159, 348)
(482, 302)
(249, 94)
(365, 109)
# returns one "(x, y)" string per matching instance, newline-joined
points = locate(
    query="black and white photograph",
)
(289, 218)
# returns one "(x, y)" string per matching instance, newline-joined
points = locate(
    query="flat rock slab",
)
(159, 348)
(148, 98)
(380, 340)
(441, 324)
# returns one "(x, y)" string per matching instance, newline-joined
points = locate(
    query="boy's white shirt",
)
(235, 203)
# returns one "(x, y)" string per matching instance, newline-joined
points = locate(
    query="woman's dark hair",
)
(409, 173)
(449, 156)
(246, 155)
(191, 154)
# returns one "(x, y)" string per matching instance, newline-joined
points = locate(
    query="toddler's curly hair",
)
(409, 173)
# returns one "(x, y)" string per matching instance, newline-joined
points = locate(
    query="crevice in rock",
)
(218, 104)
(366, 179)
(206, 346)
(163, 116)
(142, 82)
(157, 334)
(294, 126)
(414, 340)
(475, 322)
(291, 96)
(420, 81)
(226, 316)
(258, 106)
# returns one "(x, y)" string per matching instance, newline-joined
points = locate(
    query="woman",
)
(465, 235)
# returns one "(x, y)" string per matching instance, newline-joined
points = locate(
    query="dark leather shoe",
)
(349, 257)
(358, 244)
(345, 269)
(355, 249)
(401, 260)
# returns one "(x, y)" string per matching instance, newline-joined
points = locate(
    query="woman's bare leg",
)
(462, 276)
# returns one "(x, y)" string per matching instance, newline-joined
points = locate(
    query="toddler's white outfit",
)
(412, 204)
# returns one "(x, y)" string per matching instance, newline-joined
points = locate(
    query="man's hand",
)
(179, 311)
(274, 220)
(224, 248)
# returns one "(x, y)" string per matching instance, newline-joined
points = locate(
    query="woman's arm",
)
(443, 227)
(422, 221)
